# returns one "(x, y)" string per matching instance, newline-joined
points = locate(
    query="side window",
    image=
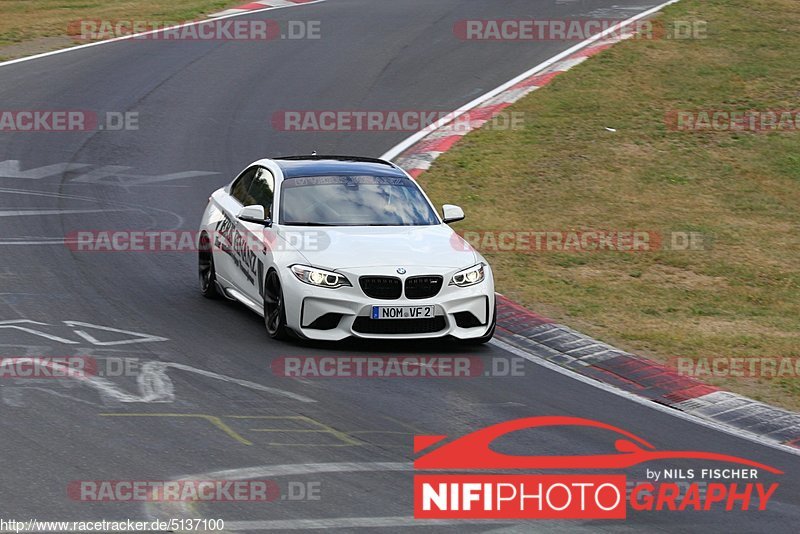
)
(262, 191)
(242, 185)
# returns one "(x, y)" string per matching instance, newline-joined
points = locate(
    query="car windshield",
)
(354, 201)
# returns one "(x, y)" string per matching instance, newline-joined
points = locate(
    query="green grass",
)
(24, 21)
(565, 171)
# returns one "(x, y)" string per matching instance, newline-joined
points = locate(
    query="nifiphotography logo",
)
(574, 495)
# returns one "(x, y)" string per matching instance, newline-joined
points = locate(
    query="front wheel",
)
(274, 310)
(208, 276)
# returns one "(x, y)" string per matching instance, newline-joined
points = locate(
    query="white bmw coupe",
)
(329, 247)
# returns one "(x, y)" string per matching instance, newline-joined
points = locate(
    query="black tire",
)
(208, 276)
(274, 310)
(489, 335)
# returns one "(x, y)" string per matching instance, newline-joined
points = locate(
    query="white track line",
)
(137, 35)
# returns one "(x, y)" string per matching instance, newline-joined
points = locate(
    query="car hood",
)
(375, 246)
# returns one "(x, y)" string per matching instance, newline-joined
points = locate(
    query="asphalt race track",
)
(204, 109)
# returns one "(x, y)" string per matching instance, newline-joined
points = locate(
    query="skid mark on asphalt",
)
(103, 386)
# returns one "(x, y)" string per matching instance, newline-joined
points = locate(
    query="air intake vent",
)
(365, 325)
(423, 287)
(381, 287)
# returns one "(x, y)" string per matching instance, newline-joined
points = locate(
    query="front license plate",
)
(402, 312)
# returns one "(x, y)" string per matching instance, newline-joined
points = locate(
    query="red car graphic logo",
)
(473, 451)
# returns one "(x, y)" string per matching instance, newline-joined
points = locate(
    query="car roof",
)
(293, 166)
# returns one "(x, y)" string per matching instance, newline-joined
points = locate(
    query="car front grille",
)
(366, 325)
(381, 287)
(423, 287)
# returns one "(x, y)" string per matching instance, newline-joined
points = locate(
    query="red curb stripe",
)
(486, 113)
(415, 172)
(477, 117)
(592, 50)
(537, 80)
(255, 5)
(515, 318)
(653, 376)
(443, 144)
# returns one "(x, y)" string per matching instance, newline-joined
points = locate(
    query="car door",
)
(258, 237)
(227, 253)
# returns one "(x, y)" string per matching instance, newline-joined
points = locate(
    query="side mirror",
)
(451, 213)
(254, 214)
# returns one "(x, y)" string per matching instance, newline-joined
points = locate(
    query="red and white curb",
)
(256, 6)
(559, 344)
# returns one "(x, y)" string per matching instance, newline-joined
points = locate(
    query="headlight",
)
(319, 277)
(469, 277)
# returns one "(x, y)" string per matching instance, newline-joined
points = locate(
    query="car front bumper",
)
(335, 314)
